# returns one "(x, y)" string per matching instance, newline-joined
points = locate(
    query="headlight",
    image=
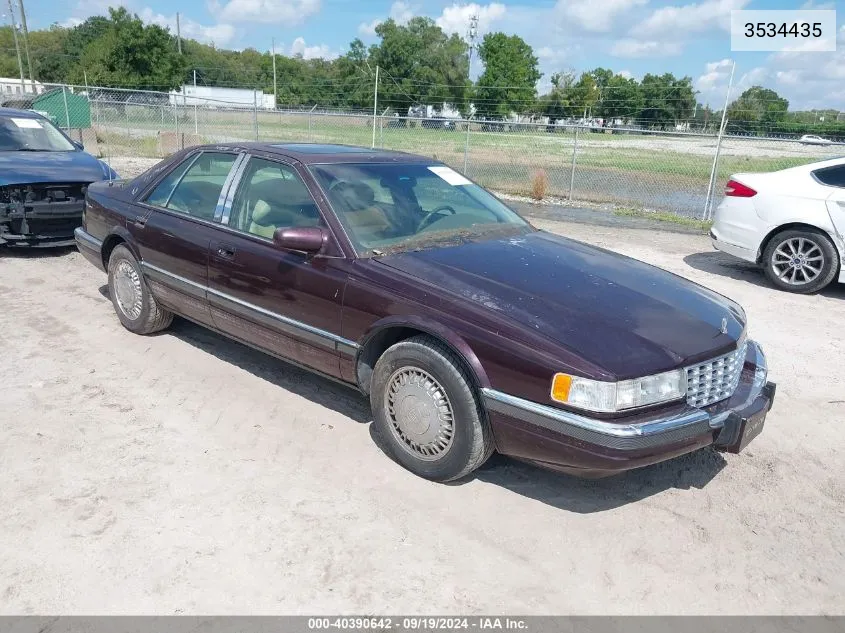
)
(609, 397)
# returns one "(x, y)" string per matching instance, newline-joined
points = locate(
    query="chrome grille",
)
(716, 379)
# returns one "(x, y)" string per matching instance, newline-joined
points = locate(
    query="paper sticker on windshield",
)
(449, 175)
(27, 123)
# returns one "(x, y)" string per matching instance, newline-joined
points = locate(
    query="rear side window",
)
(831, 176)
(194, 187)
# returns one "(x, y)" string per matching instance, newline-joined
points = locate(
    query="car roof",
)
(322, 153)
(23, 114)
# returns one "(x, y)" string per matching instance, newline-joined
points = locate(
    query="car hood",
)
(30, 167)
(621, 314)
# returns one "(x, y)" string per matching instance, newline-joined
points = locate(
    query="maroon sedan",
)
(470, 330)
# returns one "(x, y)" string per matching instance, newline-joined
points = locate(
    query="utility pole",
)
(375, 109)
(708, 203)
(26, 45)
(196, 125)
(17, 46)
(472, 36)
(273, 49)
(178, 35)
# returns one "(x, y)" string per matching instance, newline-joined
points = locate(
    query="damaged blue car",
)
(43, 179)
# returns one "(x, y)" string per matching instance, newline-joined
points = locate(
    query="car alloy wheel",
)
(133, 303)
(127, 286)
(797, 261)
(420, 413)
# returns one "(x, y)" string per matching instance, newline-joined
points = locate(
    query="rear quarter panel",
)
(105, 212)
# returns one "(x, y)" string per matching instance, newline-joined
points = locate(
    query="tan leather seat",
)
(366, 219)
(266, 219)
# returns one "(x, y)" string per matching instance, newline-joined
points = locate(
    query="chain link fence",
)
(637, 168)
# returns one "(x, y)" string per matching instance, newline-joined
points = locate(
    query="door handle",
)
(225, 251)
(140, 221)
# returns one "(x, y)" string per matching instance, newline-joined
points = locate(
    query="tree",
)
(122, 51)
(757, 110)
(556, 104)
(421, 64)
(509, 81)
(620, 98)
(583, 95)
(667, 100)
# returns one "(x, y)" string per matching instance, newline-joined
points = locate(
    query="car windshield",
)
(26, 134)
(388, 208)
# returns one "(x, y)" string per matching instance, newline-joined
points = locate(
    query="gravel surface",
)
(184, 473)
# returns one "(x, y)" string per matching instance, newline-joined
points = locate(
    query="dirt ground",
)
(183, 473)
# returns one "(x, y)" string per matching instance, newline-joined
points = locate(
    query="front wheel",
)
(428, 413)
(133, 302)
(800, 260)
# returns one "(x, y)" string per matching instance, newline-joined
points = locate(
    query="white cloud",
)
(594, 16)
(647, 48)
(809, 80)
(321, 51)
(627, 74)
(84, 9)
(676, 22)
(400, 12)
(455, 19)
(288, 12)
(218, 34)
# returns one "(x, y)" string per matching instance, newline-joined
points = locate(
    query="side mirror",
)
(78, 145)
(308, 239)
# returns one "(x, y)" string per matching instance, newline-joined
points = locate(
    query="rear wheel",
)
(133, 302)
(427, 411)
(800, 260)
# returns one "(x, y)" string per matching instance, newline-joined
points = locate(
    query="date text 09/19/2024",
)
(418, 623)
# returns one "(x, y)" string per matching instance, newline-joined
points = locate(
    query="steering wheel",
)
(431, 216)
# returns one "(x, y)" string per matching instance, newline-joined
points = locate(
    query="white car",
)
(791, 222)
(810, 139)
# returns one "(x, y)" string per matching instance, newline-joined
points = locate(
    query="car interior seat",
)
(280, 202)
(367, 220)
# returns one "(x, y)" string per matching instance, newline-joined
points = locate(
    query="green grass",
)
(622, 169)
(663, 216)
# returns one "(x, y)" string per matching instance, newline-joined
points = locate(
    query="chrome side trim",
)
(689, 424)
(299, 325)
(86, 239)
(338, 343)
(224, 192)
(176, 282)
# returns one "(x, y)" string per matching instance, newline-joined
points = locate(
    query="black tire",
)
(151, 317)
(471, 440)
(829, 263)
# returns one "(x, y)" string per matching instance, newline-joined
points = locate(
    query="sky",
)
(634, 37)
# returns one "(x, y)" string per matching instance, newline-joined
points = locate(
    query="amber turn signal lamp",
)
(560, 387)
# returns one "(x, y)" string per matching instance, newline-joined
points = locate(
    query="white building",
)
(216, 97)
(11, 87)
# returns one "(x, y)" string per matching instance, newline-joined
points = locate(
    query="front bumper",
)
(574, 443)
(40, 224)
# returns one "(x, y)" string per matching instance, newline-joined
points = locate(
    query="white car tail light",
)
(738, 190)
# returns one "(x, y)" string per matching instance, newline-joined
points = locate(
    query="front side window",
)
(395, 207)
(24, 134)
(271, 196)
(194, 187)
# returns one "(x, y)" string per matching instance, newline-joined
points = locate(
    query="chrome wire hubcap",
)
(420, 413)
(797, 261)
(127, 290)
